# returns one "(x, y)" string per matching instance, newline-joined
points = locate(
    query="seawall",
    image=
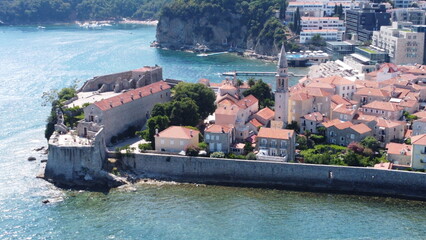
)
(296, 176)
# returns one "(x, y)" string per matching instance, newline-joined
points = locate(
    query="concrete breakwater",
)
(278, 175)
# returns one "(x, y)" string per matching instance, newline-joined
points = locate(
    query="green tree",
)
(370, 142)
(184, 112)
(203, 96)
(297, 27)
(317, 41)
(251, 156)
(262, 92)
(248, 147)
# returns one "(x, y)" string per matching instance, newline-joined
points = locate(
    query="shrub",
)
(192, 151)
(144, 147)
(217, 155)
(251, 156)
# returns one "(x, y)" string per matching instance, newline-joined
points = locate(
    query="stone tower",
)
(281, 92)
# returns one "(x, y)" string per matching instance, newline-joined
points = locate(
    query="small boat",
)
(41, 27)
(202, 55)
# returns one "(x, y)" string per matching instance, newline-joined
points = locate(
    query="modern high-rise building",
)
(362, 22)
(403, 45)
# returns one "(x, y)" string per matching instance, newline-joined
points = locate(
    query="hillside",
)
(220, 25)
(39, 11)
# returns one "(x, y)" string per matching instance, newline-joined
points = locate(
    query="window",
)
(162, 141)
(172, 142)
(182, 143)
(217, 137)
(207, 136)
(263, 142)
(352, 136)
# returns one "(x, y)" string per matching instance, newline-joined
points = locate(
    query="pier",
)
(241, 73)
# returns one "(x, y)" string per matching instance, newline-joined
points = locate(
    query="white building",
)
(326, 34)
(403, 3)
(404, 46)
(319, 23)
(414, 15)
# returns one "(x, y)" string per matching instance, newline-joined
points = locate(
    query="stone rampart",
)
(279, 175)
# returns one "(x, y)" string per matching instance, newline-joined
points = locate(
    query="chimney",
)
(161, 86)
(140, 94)
(110, 104)
(121, 100)
(223, 130)
(150, 89)
(131, 96)
(156, 131)
(289, 135)
(245, 102)
(191, 133)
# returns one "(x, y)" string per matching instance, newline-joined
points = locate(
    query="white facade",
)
(404, 46)
(319, 23)
(326, 34)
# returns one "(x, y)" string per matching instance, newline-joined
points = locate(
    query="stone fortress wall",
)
(125, 80)
(279, 175)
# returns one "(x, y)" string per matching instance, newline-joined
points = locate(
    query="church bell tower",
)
(281, 92)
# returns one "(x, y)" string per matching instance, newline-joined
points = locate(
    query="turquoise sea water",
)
(33, 61)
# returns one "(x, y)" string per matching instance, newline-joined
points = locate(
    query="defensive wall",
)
(282, 175)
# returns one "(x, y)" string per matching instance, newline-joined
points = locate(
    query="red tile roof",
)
(178, 132)
(275, 133)
(216, 128)
(361, 128)
(247, 102)
(266, 113)
(343, 125)
(421, 114)
(332, 123)
(399, 149)
(336, 80)
(386, 106)
(256, 123)
(419, 140)
(132, 95)
(386, 123)
(315, 116)
(372, 92)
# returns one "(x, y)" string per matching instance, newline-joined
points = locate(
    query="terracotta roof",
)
(317, 92)
(372, 92)
(366, 83)
(256, 123)
(227, 110)
(337, 99)
(216, 128)
(386, 123)
(386, 106)
(204, 81)
(361, 128)
(408, 133)
(343, 125)
(364, 117)
(132, 95)
(399, 149)
(247, 101)
(419, 139)
(390, 67)
(408, 103)
(315, 116)
(332, 123)
(336, 80)
(266, 113)
(275, 133)
(320, 85)
(421, 114)
(178, 132)
(383, 165)
(345, 109)
(228, 87)
(299, 96)
(144, 69)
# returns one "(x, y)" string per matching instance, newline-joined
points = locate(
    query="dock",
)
(241, 73)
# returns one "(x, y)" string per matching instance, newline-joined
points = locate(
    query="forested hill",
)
(38, 11)
(222, 24)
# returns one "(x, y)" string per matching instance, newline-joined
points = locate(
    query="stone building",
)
(176, 139)
(219, 137)
(128, 109)
(398, 153)
(383, 109)
(310, 122)
(418, 154)
(276, 144)
(344, 133)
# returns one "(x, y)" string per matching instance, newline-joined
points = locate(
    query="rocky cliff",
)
(208, 27)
